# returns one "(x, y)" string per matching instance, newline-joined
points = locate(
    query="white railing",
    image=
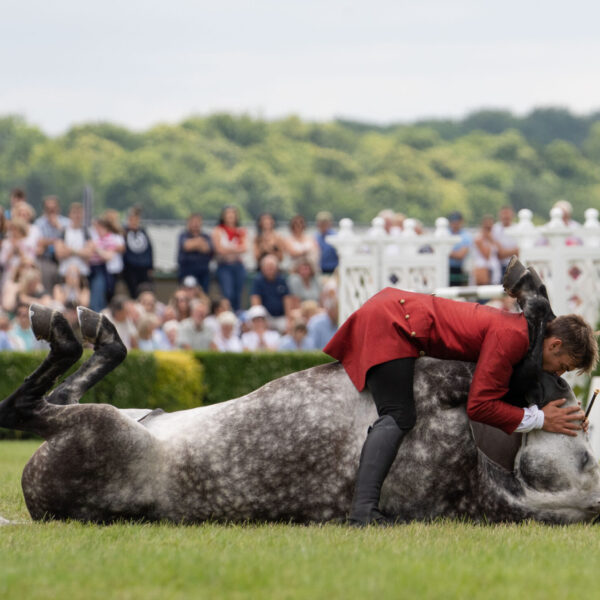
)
(567, 259)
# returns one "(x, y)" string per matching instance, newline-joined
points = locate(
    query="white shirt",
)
(532, 419)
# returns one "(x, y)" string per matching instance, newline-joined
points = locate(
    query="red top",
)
(398, 324)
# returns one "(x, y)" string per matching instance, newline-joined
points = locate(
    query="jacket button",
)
(406, 316)
(402, 301)
(413, 334)
(422, 353)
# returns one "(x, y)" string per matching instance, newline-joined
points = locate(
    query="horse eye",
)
(585, 459)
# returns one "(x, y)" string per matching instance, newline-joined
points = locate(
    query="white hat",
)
(227, 318)
(254, 312)
(190, 281)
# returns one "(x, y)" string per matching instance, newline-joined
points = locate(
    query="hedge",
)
(169, 380)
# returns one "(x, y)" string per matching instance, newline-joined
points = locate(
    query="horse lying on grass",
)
(288, 451)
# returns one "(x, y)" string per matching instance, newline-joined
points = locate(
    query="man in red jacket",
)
(379, 343)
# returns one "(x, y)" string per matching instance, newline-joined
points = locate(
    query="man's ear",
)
(555, 343)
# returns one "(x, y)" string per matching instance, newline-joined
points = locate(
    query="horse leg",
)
(24, 408)
(109, 352)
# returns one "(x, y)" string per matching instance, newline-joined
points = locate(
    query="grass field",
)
(440, 560)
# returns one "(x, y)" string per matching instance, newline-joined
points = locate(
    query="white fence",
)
(567, 259)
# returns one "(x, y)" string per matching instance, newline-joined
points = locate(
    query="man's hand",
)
(562, 420)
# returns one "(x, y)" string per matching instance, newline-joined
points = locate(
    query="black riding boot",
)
(378, 454)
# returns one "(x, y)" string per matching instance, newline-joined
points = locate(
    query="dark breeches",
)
(391, 385)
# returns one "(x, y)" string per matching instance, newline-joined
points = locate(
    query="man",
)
(260, 337)
(329, 257)
(118, 313)
(460, 250)
(322, 327)
(51, 225)
(271, 290)
(195, 251)
(379, 343)
(507, 244)
(138, 257)
(72, 247)
(192, 334)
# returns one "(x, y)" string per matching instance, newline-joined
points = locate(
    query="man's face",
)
(456, 225)
(76, 216)
(555, 359)
(269, 268)
(23, 317)
(195, 225)
(506, 216)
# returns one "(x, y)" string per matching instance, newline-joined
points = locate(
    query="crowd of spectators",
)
(58, 261)
(286, 300)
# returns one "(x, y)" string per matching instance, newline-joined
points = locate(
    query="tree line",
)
(423, 169)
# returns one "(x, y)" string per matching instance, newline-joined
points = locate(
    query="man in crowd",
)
(195, 251)
(51, 225)
(271, 290)
(138, 257)
(507, 244)
(192, 333)
(329, 257)
(459, 252)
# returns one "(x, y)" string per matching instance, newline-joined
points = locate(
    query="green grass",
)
(439, 560)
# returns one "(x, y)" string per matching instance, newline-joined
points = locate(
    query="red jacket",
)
(398, 324)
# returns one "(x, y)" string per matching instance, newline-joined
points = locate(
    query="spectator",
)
(303, 284)
(72, 248)
(114, 265)
(171, 329)
(567, 214)
(26, 213)
(138, 256)
(300, 245)
(192, 334)
(298, 339)
(150, 305)
(51, 225)
(270, 290)
(150, 336)
(2, 224)
(507, 245)
(218, 306)
(460, 251)
(106, 247)
(225, 339)
(16, 195)
(20, 334)
(195, 251)
(323, 325)
(181, 304)
(118, 314)
(486, 264)
(267, 240)
(15, 249)
(31, 289)
(74, 289)
(329, 257)
(5, 343)
(259, 337)
(230, 243)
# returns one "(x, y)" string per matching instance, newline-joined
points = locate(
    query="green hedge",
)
(229, 375)
(169, 380)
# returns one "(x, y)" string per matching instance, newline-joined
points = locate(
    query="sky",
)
(138, 63)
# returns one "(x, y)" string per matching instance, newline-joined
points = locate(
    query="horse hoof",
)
(41, 321)
(89, 322)
(514, 273)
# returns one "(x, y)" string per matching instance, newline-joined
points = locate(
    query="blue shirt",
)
(289, 343)
(321, 329)
(329, 257)
(271, 293)
(465, 240)
(195, 259)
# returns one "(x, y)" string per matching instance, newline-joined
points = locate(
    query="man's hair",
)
(18, 193)
(578, 340)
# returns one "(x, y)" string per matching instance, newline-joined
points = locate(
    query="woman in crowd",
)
(267, 240)
(303, 283)
(486, 264)
(15, 249)
(230, 244)
(226, 338)
(74, 289)
(300, 245)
